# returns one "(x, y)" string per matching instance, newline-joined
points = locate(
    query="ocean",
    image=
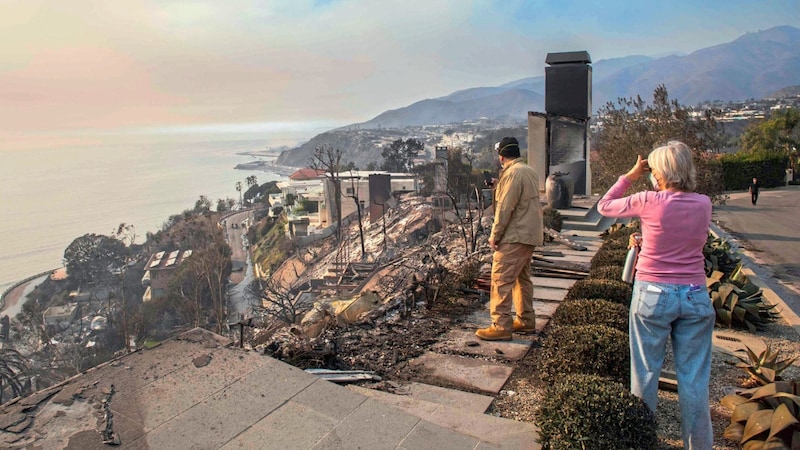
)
(50, 196)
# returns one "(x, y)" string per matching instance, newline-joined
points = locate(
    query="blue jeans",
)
(684, 313)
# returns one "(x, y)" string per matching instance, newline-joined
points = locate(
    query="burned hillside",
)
(375, 309)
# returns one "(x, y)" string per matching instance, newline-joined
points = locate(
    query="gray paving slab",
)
(462, 341)
(547, 293)
(466, 401)
(328, 398)
(427, 436)
(560, 283)
(202, 426)
(544, 309)
(493, 432)
(262, 391)
(435, 395)
(470, 373)
(360, 428)
(418, 407)
(292, 426)
(578, 259)
(184, 389)
(496, 431)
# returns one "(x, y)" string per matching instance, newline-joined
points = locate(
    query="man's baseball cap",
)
(508, 147)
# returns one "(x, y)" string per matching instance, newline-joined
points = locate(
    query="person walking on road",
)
(753, 189)
(516, 230)
(670, 299)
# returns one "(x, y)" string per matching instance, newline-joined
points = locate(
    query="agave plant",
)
(765, 416)
(763, 368)
(738, 302)
(720, 256)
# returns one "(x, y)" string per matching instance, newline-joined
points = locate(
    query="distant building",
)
(306, 174)
(307, 201)
(159, 270)
(60, 315)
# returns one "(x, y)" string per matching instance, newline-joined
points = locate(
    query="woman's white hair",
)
(674, 165)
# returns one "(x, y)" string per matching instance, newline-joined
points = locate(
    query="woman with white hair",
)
(670, 299)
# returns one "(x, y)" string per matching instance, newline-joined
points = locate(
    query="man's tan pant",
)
(511, 284)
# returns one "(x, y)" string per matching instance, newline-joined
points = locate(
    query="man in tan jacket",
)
(516, 230)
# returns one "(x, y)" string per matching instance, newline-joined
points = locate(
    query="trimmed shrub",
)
(616, 237)
(614, 244)
(609, 258)
(587, 411)
(621, 231)
(606, 272)
(590, 349)
(589, 312)
(611, 290)
(552, 218)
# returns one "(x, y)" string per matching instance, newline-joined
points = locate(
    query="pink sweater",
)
(674, 230)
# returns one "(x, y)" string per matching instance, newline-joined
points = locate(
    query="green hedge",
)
(740, 168)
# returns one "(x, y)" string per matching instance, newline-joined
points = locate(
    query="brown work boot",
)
(523, 327)
(493, 334)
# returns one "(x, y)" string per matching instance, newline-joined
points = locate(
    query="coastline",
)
(10, 299)
(267, 166)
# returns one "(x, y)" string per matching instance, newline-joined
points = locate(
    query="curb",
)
(787, 313)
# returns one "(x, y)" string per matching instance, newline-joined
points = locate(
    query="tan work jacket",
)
(517, 211)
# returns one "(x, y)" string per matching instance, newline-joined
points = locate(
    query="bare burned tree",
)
(461, 182)
(354, 196)
(274, 300)
(329, 160)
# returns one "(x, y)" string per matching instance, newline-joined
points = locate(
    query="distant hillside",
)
(791, 91)
(496, 103)
(756, 65)
(508, 101)
(752, 66)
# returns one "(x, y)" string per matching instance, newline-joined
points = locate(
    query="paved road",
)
(238, 302)
(769, 233)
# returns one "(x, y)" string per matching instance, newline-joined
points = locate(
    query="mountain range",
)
(754, 65)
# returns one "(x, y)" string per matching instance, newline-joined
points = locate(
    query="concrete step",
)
(453, 398)
(547, 282)
(548, 293)
(496, 431)
(469, 373)
(465, 342)
(599, 223)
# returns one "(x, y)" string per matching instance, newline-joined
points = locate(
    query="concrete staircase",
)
(476, 370)
(583, 216)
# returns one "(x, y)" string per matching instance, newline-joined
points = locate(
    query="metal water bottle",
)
(629, 269)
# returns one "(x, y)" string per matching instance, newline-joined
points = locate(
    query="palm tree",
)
(12, 366)
(239, 190)
(252, 181)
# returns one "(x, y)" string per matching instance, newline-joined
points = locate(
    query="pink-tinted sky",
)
(71, 71)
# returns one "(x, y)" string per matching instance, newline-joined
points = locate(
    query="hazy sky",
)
(77, 66)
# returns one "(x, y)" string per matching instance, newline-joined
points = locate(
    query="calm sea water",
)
(49, 197)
